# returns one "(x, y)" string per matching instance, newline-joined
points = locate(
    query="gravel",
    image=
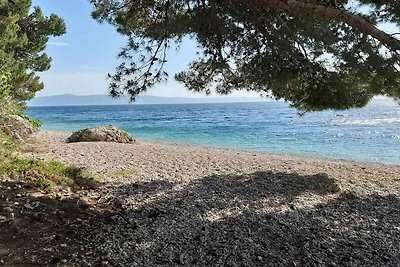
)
(197, 206)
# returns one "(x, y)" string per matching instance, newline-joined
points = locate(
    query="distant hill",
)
(88, 100)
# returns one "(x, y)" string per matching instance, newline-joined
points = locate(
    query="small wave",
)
(366, 121)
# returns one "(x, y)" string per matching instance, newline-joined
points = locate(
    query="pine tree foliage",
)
(315, 54)
(24, 33)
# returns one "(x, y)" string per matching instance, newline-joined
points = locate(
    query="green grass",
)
(47, 175)
(87, 179)
(42, 174)
(6, 145)
(45, 184)
(17, 166)
(122, 173)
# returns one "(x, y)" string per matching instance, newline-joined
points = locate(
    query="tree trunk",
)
(331, 13)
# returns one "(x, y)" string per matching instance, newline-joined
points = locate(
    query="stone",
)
(101, 134)
(28, 206)
(18, 128)
(334, 188)
(8, 209)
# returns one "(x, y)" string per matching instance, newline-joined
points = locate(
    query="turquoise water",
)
(371, 134)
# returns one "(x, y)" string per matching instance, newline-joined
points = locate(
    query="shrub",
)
(46, 174)
(45, 184)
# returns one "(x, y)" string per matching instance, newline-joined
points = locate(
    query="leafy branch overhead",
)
(315, 54)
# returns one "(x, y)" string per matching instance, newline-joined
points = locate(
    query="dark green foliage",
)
(23, 38)
(315, 54)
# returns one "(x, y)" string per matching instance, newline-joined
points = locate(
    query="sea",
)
(370, 134)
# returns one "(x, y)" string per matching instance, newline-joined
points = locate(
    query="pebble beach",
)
(186, 205)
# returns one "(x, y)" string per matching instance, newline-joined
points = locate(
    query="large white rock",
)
(101, 134)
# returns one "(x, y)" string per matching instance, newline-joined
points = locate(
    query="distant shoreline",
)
(105, 100)
(142, 104)
(67, 100)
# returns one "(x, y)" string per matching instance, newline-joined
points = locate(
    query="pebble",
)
(28, 206)
(215, 192)
(8, 209)
(334, 188)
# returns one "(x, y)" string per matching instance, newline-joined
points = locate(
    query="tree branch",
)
(327, 12)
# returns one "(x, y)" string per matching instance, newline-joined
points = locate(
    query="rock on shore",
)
(101, 134)
(18, 128)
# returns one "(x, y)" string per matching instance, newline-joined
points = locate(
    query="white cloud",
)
(58, 43)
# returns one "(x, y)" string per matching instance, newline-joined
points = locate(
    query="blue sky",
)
(83, 57)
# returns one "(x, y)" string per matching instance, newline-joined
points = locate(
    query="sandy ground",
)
(184, 205)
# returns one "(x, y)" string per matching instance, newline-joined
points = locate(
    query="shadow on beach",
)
(258, 219)
(37, 229)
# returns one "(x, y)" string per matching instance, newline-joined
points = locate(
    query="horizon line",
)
(205, 96)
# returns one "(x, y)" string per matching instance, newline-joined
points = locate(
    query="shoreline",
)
(157, 159)
(277, 154)
(169, 205)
